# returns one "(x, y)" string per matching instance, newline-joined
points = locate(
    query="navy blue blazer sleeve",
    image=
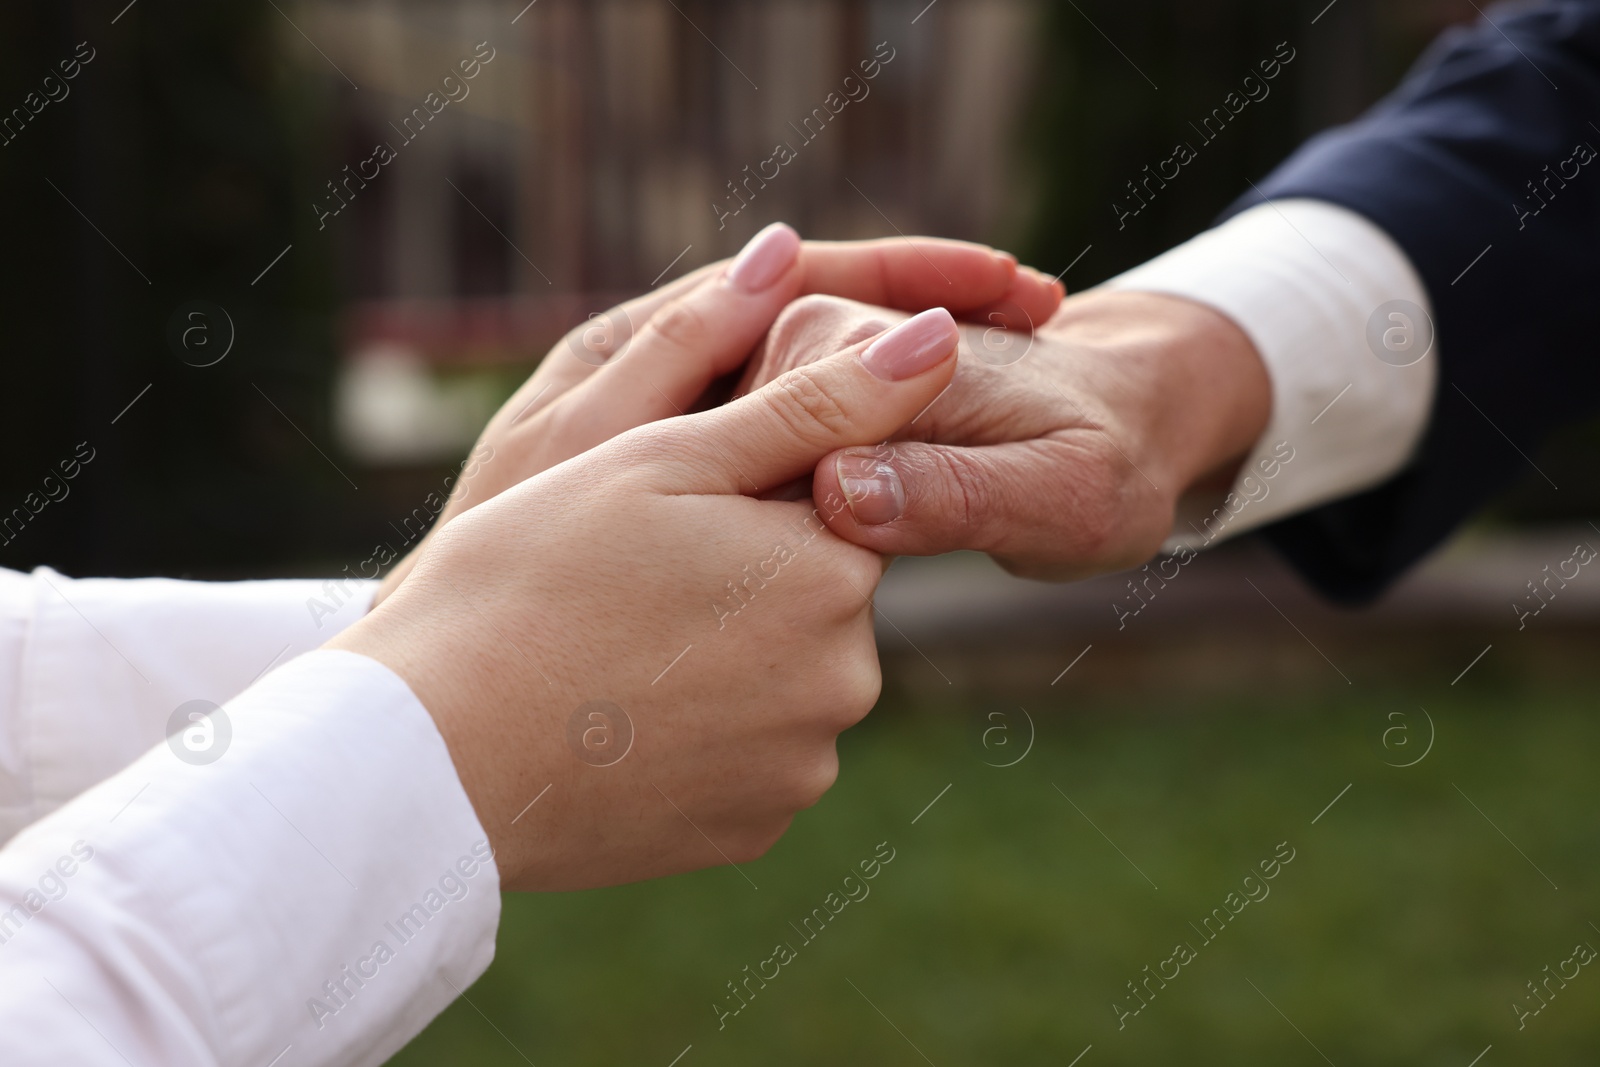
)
(1483, 167)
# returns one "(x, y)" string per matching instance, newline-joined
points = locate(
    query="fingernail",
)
(913, 346)
(764, 259)
(871, 487)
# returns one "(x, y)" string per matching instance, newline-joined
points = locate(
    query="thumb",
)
(1046, 508)
(857, 397)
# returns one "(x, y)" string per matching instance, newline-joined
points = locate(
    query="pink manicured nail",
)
(871, 487)
(764, 259)
(913, 346)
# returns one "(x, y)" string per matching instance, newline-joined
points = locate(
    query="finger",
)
(907, 274)
(917, 273)
(810, 329)
(1033, 298)
(857, 397)
(1046, 499)
(973, 281)
(606, 335)
(911, 274)
(689, 342)
(592, 344)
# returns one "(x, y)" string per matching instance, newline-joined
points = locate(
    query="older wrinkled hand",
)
(1062, 454)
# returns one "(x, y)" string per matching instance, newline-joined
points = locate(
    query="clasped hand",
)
(595, 556)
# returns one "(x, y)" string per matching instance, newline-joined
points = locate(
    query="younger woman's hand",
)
(653, 358)
(633, 639)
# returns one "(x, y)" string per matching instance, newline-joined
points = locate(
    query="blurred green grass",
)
(1007, 924)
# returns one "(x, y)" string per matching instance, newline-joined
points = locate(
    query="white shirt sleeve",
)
(304, 882)
(1343, 323)
(93, 671)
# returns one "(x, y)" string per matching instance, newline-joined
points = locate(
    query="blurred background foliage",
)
(186, 165)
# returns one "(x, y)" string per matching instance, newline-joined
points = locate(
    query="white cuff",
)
(314, 895)
(97, 667)
(1343, 324)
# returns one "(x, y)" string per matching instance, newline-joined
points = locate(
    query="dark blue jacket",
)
(1488, 149)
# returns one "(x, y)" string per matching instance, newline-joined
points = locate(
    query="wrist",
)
(452, 677)
(1196, 393)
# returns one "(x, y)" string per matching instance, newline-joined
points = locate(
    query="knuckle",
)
(862, 685)
(848, 575)
(968, 489)
(802, 325)
(681, 323)
(807, 407)
(814, 783)
(601, 337)
(811, 309)
(863, 571)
